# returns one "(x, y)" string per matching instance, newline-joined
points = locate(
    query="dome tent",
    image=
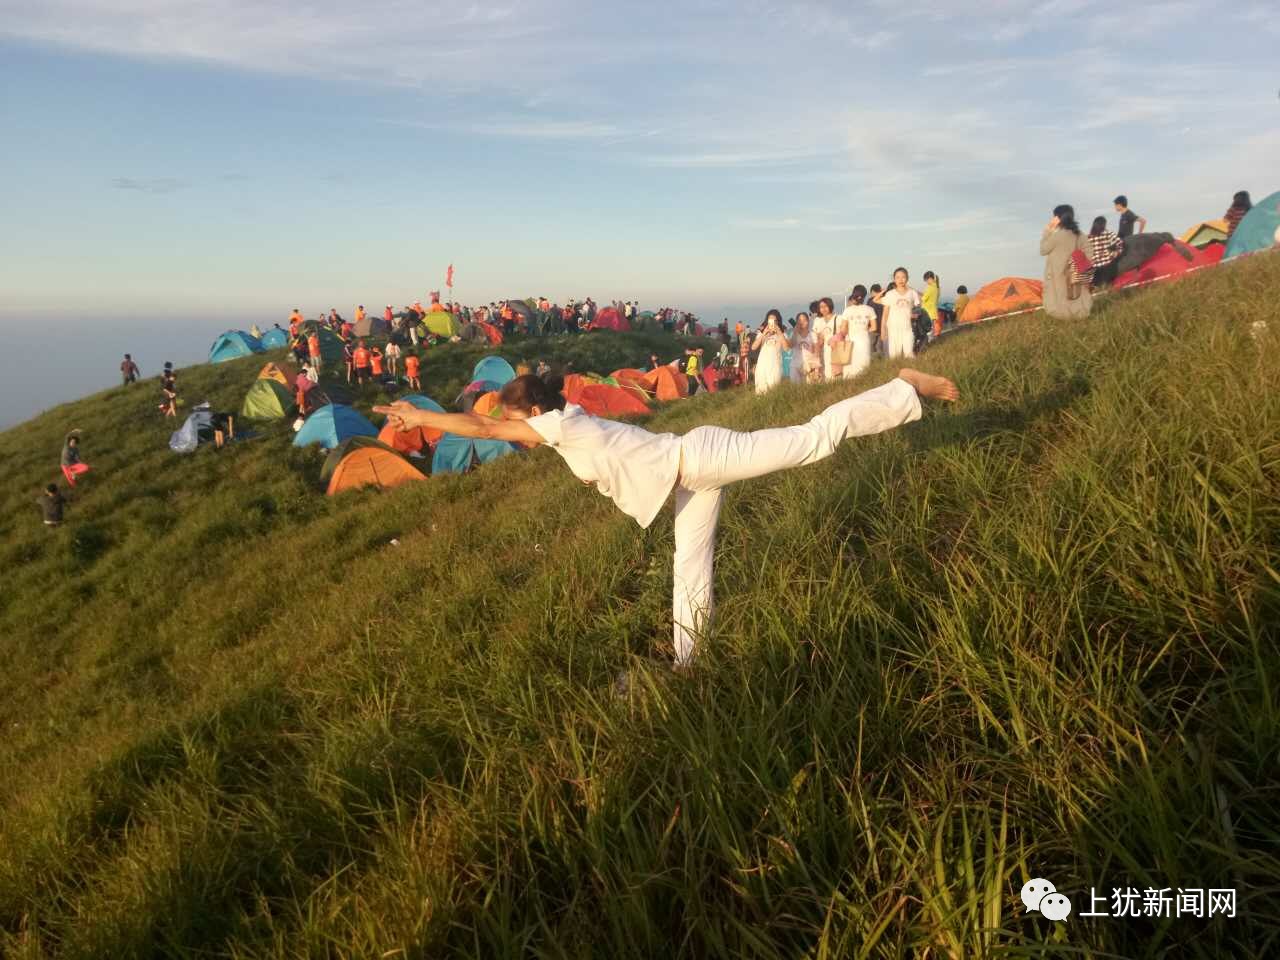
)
(495, 370)
(1203, 234)
(332, 424)
(362, 462)
(455, 454)
(234, 344)
(267, 399)
(274, 339)
(1006, 295)
(1259, 230)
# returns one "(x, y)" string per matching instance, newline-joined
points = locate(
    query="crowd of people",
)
(1078, 264)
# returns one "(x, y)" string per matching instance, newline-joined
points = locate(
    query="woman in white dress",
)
(802, 355)
(824, 328)
(770, 341)
(898, 302)
(856, 323)
(638, 470)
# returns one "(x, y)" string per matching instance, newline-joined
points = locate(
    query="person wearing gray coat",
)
(1061, 238)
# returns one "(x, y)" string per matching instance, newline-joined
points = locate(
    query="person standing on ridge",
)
(1128, 218)
(128, 370)
(313, 350)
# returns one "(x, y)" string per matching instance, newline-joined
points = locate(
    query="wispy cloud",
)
(150, 185)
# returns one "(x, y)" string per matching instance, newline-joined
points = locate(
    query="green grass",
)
(1034, 634)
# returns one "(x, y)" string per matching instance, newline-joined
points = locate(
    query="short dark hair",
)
(1122, 200)
(962, 289)
(51, 488)
(859, 291)
(1241, 200)
(876, 288)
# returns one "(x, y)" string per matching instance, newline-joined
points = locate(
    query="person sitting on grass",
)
(72, 465)
(638, 469)
(51, 503)
(224, 429)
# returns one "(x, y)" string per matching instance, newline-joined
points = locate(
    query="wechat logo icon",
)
(1041, 896)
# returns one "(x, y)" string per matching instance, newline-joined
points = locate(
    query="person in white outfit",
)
(638, 469)
(855, 324)
(771, 341)
(899, 301)
(824, 328)
(802, 355)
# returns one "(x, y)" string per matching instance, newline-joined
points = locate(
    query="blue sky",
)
(239, 158)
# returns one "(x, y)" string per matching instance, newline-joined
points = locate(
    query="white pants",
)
(901, 338)
(713, 457)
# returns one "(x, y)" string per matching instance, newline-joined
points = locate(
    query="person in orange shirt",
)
(313, 350)
(389, 316)
(359, 313)
(296, 316)
(361, 359)
(375, 360)
(411, 363)
(419, 309)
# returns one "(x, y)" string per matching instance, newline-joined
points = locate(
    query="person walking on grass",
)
(168, 397)
(72, 465)
(929, 302)
(392, 353)
(128, 370)
(802, 355)
(411, 367)
(857, 324)
(638, 469)
(899, 301)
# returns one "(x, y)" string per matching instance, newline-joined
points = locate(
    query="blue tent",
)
(494, 369)
(1259, 230)
(455, 454)
(274, 339)
(232, 344)
(332, 424)
(423, 403)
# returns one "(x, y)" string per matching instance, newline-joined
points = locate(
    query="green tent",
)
(440, 323)
(267, 400)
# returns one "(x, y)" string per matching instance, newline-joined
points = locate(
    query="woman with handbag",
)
(770, 341)
(639, 470)
(1064, 297)
(855, 324)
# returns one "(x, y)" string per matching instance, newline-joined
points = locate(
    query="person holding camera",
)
(770, 342)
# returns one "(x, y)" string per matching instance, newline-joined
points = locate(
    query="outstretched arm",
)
(405, 416)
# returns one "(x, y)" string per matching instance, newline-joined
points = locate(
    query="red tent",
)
(667, 383)
(490, 331)
(609, 318)
(1168, 262)
(606, 400)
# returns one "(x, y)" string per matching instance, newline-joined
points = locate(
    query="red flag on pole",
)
(448, 279)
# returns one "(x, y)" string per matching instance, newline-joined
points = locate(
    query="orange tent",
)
(273, 372)
(606, 400)
(1003, 296)
(490, 331)
(414, 440)
(487, 404)
(667, 384)
(371, 465)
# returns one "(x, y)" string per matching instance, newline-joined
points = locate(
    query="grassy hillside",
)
(1033, 635)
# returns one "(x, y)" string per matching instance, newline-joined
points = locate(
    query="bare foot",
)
(929, 386)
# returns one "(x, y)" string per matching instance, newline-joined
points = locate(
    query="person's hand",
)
(1054, 223)
(401, 414)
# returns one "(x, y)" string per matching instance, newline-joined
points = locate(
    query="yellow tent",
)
(1203, 234)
